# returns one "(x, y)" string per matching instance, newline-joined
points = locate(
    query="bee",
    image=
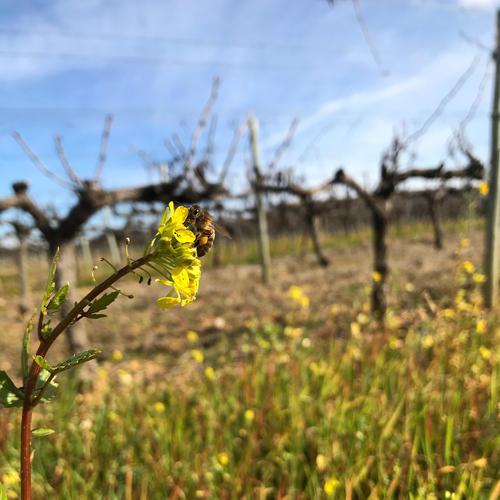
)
(204, 228)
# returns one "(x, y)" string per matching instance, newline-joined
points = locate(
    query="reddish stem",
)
(26, 452)
(35, 369)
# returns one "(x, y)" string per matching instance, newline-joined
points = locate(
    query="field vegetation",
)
(287, 391)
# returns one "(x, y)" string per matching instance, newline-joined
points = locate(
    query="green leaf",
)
(49, 391)
(25, 354)
(10, 395)
(41, 432)
(3, 495)
(102, 302)
(95, 316)
(75, 360)
(50, 283)
(39, 360)
(58, 299)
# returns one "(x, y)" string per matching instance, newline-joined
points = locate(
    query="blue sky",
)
(67, 63)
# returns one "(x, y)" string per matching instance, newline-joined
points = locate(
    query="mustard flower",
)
(174, 258)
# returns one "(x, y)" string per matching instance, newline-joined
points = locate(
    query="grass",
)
(247, 252)
(408, 410)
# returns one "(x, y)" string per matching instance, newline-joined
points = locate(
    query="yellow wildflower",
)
(209, 373)
(468, 266)
(249, 415)
(192, 336)
(479, 278)
(330, 486)
(464, 242)
(377, 277)
(296, 293)
(197, 355)
(427, 341)
(292, 332)
(10, 478)
(173, 225)
(117, 355)
(113, 416)
(485, 352)
(321, 462)
(484, 189)
(159, 407)
(448, 313)
(481, 326)
(223, 458)
(355, 329)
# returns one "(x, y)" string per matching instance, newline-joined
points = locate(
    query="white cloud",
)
(479, 4)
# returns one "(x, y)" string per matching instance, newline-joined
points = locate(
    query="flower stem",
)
(45, 343)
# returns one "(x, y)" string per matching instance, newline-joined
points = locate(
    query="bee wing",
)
(221, 230)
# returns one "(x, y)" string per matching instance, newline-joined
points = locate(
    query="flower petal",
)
(168, 302)
(184, 235)
(179, 216)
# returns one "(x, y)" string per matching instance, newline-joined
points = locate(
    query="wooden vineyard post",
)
(265, 255)
(492, 253)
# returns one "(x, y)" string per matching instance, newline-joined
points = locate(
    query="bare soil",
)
(232, 296)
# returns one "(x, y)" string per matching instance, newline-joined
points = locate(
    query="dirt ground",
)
(232, 296)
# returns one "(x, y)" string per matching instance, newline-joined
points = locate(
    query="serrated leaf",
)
(25, 354)
(41, 432)
(58, 299)
(50, 283)
(3, 495)
(10, 395)
(42, 362)
(102, 302)
(49, 391)
(75, 360)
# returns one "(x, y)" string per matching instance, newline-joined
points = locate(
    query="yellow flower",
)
(10, 478)
(427, 341)
(113, 416)
(355, 329)
(192, 336)
(171, 254)
(321, 462)
(295, 292)
(484, 189)
(485, 352)
(223, 458)
(168, 302)
(468, 266)
(173, 225)
(249, 415)
(479, 278)
(117, 355)
(197, 355)
(330, 486)
(159, 407)
(209, 372)
(464, 242)
(293, 332)
(377, 277)
(448, 313)
(481, 326)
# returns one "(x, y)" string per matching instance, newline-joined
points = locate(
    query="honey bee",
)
(204, 228)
